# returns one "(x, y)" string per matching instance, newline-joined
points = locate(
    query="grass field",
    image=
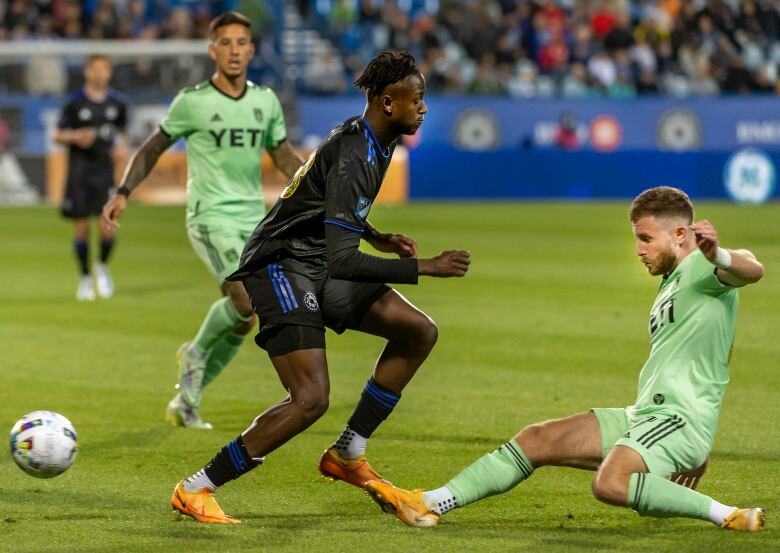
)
(551, 320)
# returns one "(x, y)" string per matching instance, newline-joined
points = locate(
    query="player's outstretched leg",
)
(410, 335)
(574, 441)
(623, 480)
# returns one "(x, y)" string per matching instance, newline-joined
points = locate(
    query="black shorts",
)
(86, 194)
(293, 292)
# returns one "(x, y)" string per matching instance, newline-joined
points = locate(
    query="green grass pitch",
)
(550, 320)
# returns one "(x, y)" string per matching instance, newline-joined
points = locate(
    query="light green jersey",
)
(691, 333)
(225, 142)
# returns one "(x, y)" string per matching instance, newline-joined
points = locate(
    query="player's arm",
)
(81, 138)
(139, 167)
(285, 158)
(398, 244)
(734, 267)
(346, 261)
(347, 183)
(66, 132)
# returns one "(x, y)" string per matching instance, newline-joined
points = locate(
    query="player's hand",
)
(706, 238)
(398, 244)
(446, 264)
(83, 138)
(691, 478)
(112, 211)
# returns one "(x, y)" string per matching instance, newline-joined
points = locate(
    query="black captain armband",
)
(124, 191)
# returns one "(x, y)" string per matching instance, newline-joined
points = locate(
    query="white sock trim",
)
(199, 481)
(441, 500)
(719, 512)
(350, 444)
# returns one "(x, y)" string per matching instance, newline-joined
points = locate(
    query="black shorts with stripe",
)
(296, 292)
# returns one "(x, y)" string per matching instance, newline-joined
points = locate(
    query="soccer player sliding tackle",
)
(639, 453)
(304, 271)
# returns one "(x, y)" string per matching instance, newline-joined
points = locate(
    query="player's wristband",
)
(124, 191)
(723, 258)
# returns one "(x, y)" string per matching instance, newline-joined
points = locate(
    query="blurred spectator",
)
(566, 132)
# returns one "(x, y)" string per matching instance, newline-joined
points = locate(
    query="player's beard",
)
(667, 261)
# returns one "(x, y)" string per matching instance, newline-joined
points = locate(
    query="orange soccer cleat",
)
(404, 504)
(355, 471)
(200, 505)
(746, 520)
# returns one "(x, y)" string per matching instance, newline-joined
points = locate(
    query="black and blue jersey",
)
(321, 215)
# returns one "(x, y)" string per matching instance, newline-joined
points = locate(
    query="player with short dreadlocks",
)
(304, 271)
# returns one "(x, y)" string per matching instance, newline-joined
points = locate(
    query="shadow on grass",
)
(424, 438)
(85, 505)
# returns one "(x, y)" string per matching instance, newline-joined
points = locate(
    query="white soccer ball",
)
(43, 444)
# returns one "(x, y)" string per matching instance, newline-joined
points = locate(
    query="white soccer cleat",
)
(179, 413)
(86, 289)
(103, 282)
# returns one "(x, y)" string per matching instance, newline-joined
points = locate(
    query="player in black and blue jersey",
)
(92, 124)
(303, 271)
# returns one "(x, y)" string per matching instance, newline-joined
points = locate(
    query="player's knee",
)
(311, 406)
(427, 333)
(610, 488)
(535, 441)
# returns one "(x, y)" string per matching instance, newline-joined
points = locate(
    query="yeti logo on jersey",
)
(658, 399)
(310, 301)
(111, 113)
(85, 113)
(363, 207)
(258, 115)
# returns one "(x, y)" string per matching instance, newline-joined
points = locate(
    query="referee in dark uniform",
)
(92, 125)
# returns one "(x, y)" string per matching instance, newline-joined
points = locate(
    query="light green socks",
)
(221, 319)
(221, 354)
(651, 495)
(494, 473)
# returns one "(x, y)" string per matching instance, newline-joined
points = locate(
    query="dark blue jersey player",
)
(303, 271)
(91, 124)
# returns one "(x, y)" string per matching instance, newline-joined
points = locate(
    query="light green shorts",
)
(667, 443)
(218, 246)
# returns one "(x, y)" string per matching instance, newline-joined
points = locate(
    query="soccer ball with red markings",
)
(43, 444)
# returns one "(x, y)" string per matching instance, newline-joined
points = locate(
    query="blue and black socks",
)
(375, 405)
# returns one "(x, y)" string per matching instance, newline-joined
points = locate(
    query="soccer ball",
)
(43, 444)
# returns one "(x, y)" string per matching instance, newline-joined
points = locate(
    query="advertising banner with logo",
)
(477, 147)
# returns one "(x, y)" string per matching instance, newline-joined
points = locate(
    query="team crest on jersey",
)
(258, 115)
(659, 399)
(111, 113)
(310, 301)
(363, 207)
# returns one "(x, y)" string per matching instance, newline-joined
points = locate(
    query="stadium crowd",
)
(121, 19)
(571, 48)
(574, 48)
